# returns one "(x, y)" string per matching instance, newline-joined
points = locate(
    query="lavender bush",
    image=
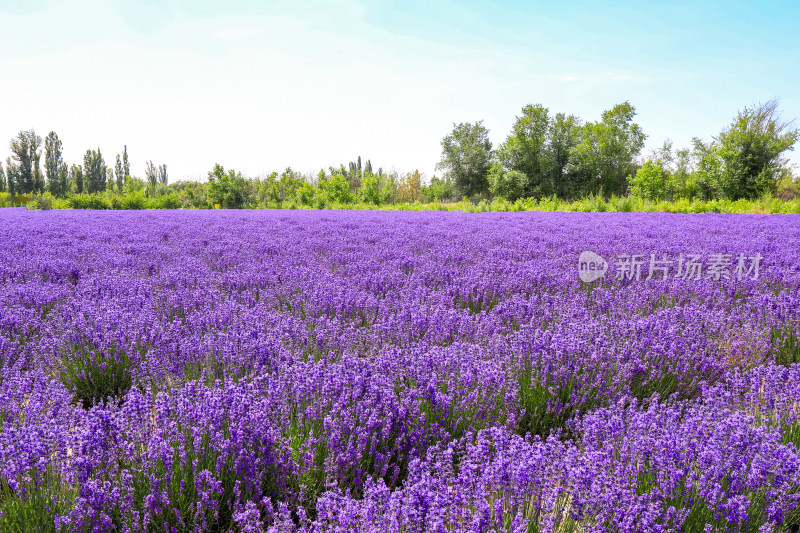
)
(409, 371)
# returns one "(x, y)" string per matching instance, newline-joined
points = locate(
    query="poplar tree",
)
(95, 170)
(126, 167)
(118, 170)
(54, 165)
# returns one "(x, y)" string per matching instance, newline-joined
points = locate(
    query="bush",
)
(229, 190)
(89, 201)
(510, 185)
(169, 201)
(370, 191)
(336, 189)
(651, 181)
(134, 200)
(42, 202)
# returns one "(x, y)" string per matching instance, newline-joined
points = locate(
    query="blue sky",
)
(259, 86)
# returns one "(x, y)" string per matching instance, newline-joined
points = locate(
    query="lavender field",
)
(373, 371)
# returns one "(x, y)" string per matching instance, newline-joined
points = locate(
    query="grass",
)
(785, 345)
(36, 502)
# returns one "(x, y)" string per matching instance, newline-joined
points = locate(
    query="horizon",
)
(316, 84)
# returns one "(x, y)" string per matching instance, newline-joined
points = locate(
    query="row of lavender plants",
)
(352, 371)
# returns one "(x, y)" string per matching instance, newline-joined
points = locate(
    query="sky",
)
(260, 85)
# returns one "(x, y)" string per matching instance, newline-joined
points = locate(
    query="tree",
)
(370, 191)
(126, 167)
(606, 154)
(94, 169)
(38, 176)
(151, 175)
(466, 157)
(2, 179)
(438, 189)
(563, 135)
(23, 170)
(336, 189)
(162, 174)
(410, 187)
(525, 151)
(109, 181)
(681, 173)
(749, 151)
(54, 165)
(511, 184)
(76, 178)
(120, 174)
(652, 181)
(11, 185)
(228, 190)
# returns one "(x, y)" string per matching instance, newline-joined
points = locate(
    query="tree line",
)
(559, 155)
(545, 155)
(23, 174)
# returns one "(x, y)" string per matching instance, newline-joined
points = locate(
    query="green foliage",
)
(151, 175)
(126, 167)
(510, 185)
(335, 189)
(93, 375)
(43, 202)
(133, 184)
(370, 190)
(133, 200)
(309, 451)
(466, 158)
(94, 168)
(35, 505)
(120, 176)
(745, 160)
(604, 157)
(306, 193)
(227, 189)
(76, 179)
(168, 201)
(438, 189)
(54, 165)
(22, 168)
(276, 191)
(563, 136)
(547, 407)
(651, 181)
(785, 345)
(525, 152)
(88, 201)
(751, 148)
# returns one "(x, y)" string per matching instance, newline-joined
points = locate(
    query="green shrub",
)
(42, 202)
(134, 200)
(169, 201)
(89, 201)
(651, 181)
